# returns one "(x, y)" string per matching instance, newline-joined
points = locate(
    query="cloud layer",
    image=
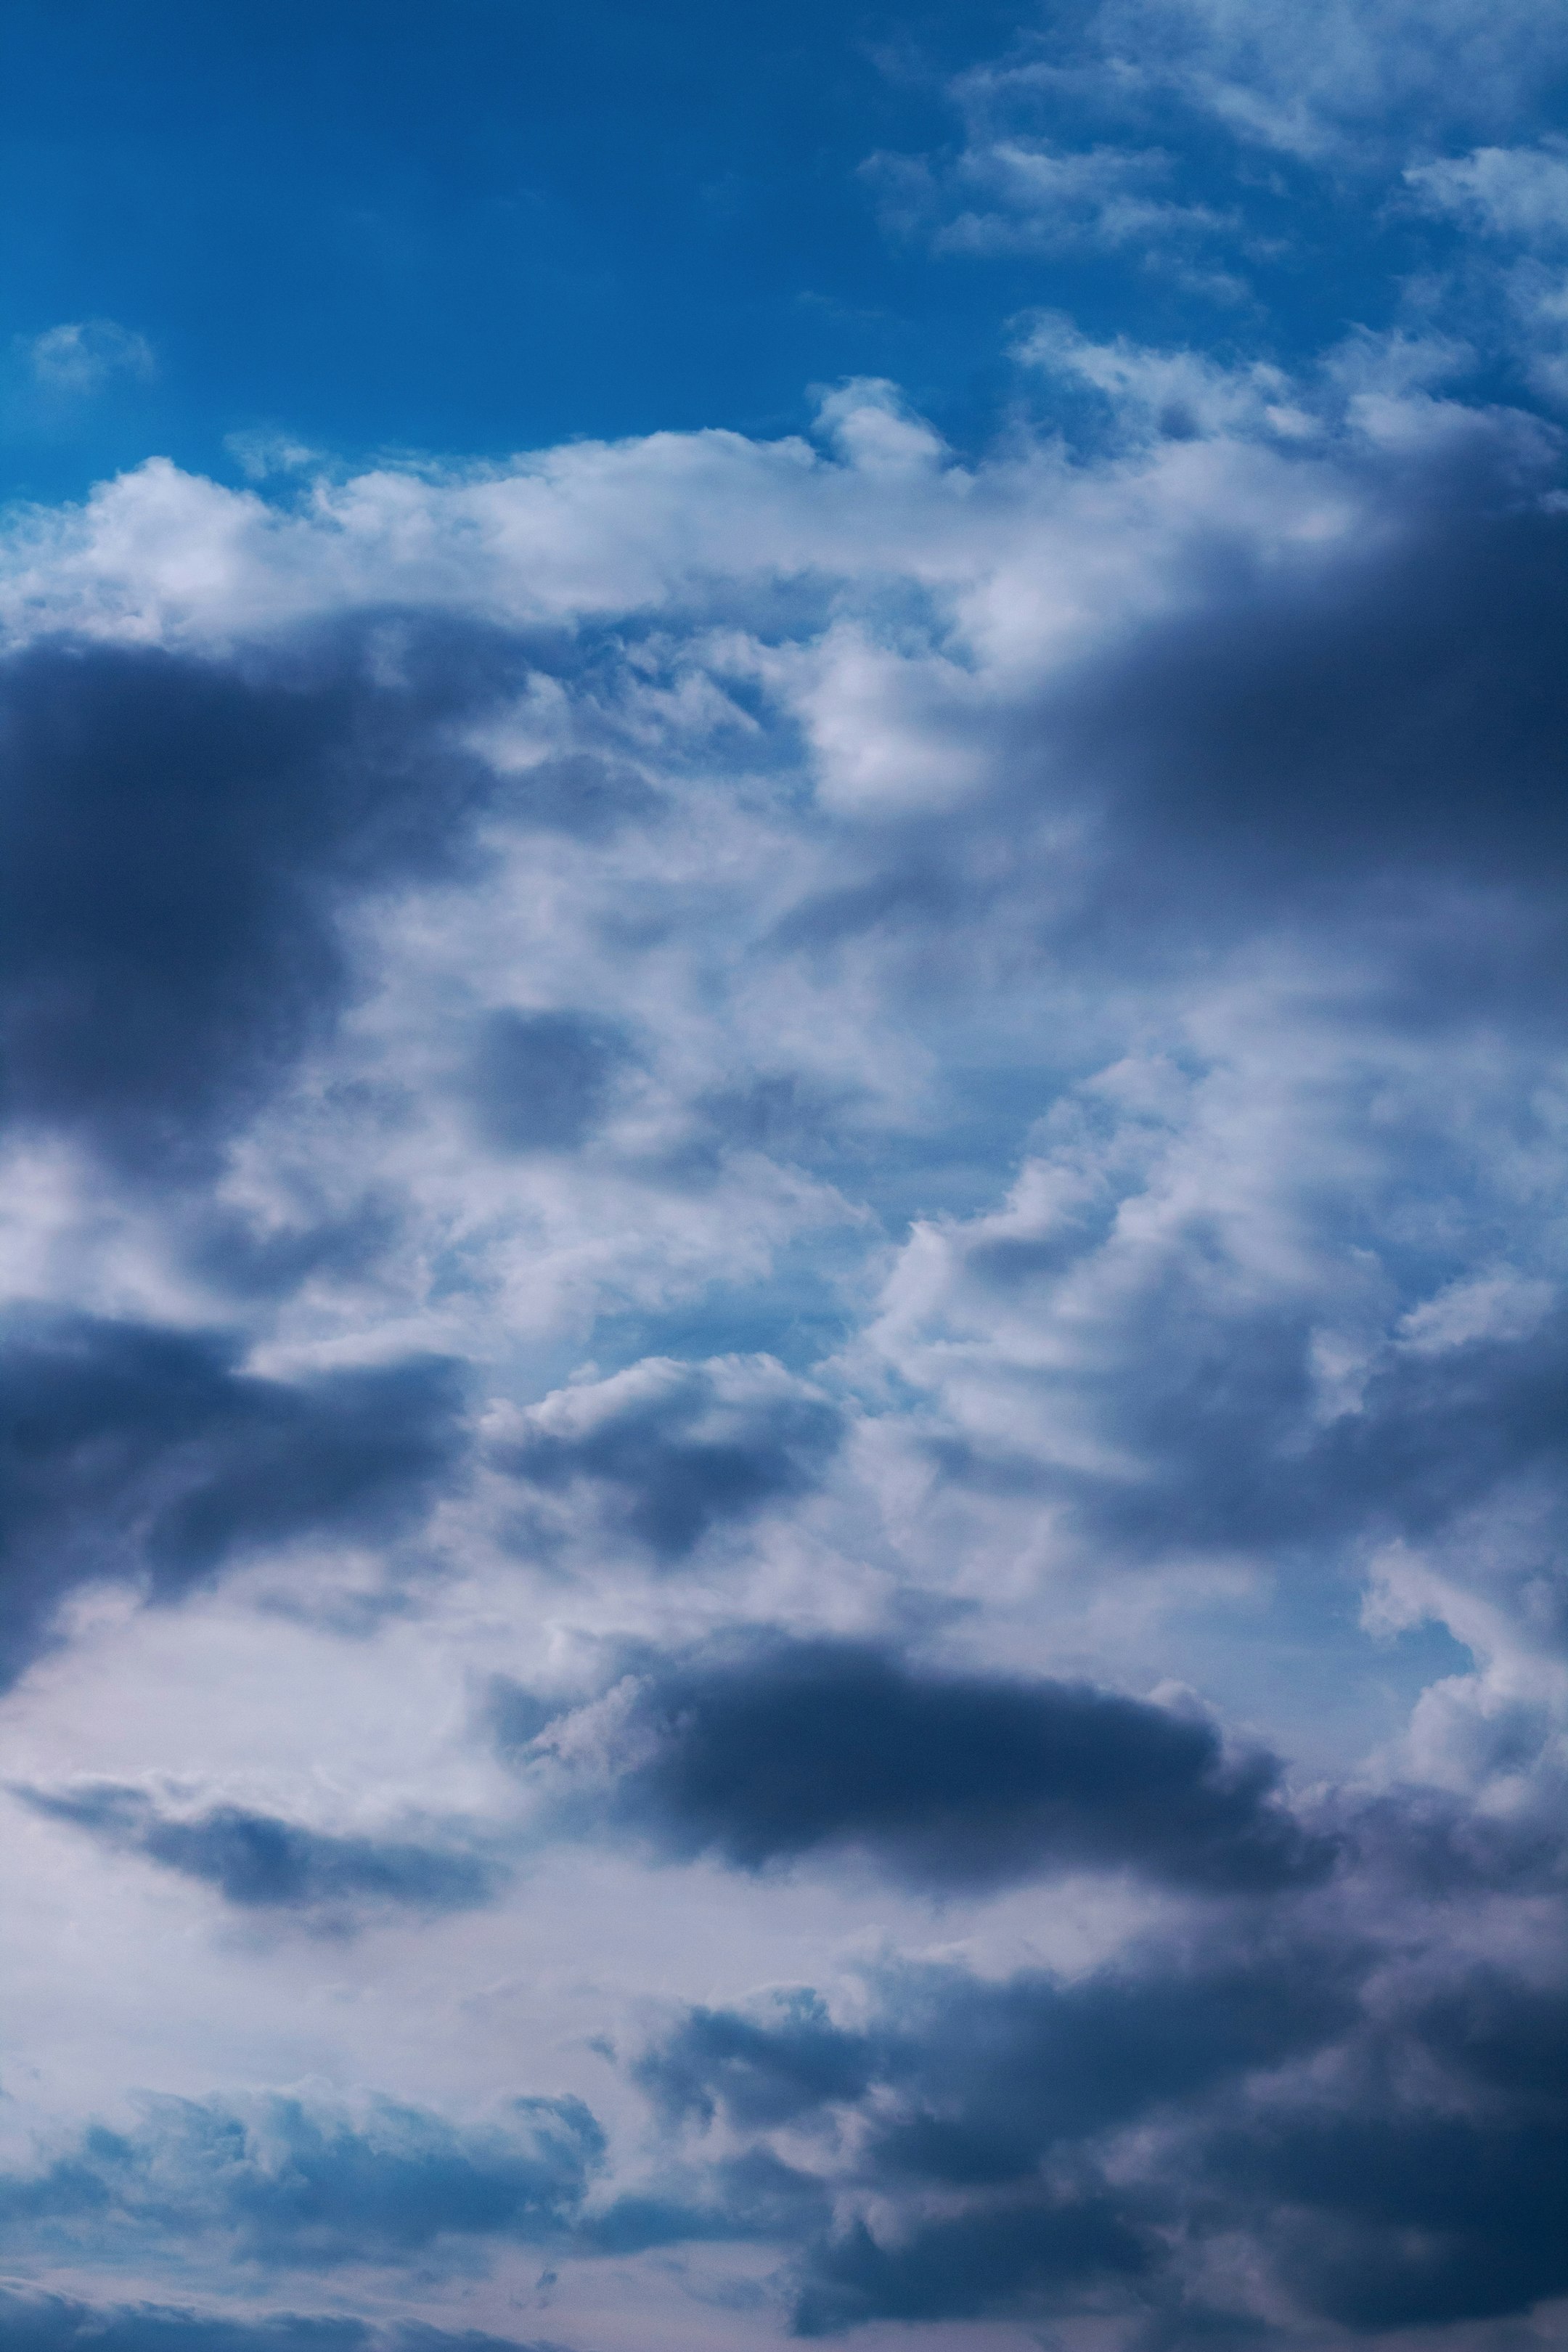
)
(783, 1349)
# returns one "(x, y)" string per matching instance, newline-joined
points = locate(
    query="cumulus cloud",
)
(1087, 2138)
(147, 1455)
(668, 1453)
(851, 1100)
(773, 1750)
(261, 1862)
(286, 2182)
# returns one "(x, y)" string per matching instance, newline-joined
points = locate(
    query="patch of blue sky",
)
(501, 225)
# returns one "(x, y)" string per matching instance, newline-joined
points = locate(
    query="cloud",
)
(959, 1048)
(972, 2083)
(541, 1079)
(766, 2069)
(1381, 2221)
(750, 2197)
(282, 2181)
(35, 2321)
(1174, 1449)
(1096, 2136)
(1010, 193)
(259, 1862)
(763, 1752)
(180, 833)
(1363, 73)
(990, 2097)
(84, 355)
(1049, 2251)
(1173, 395)
(1514, 201)
(668, 1453)
(1395, 719)
(1508, 192)
(146, 1454)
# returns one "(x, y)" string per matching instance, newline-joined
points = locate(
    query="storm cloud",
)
(1387, 2150)
(763, 1752)
(144, 1453)
(180, 833)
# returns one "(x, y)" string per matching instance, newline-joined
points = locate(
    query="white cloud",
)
(1353, 74)
(1034, 1151)
(1006, 192)
(1509, 192)
(84, 355)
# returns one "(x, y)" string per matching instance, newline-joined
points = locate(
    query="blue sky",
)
(367, 230)
(525, 223)
(783, 1303)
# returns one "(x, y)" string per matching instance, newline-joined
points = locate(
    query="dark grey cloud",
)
(1436, 1434)
(1220, 1410)
(671, 1453)
(750, 2197)
(259, 1862)
(976, 2082)
(763, 2070)
(1420, 2184)
(1426, 1843)
(1386, 2221)
(1046, 2249)
(1389, 2153)
(1400, 711)
(1432, 1436)
(1348, 746)
(786, 1115)
(541, 1081)
(178, 835)
(284, 2183)
(133, 1450)
(1426, 2185)
(36, 2321)
(765, 1751)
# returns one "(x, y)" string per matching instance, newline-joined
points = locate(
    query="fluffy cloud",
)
(846, 1122)
(670, 1451)
(1033, 2146)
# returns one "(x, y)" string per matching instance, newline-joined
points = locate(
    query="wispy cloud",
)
(82, 356)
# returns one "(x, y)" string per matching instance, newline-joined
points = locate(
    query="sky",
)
(782, 1133)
